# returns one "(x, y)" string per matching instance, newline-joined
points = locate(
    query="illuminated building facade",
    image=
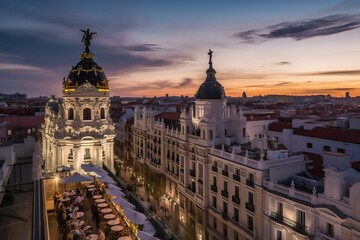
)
(78, 128)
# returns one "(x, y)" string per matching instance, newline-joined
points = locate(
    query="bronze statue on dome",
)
(210, 57)
(87, 39)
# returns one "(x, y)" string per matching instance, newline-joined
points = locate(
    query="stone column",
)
(76, 157)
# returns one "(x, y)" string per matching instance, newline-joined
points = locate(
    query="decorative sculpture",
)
(87, 37)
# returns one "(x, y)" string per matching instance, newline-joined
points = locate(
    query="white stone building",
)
(78, 128)
(212, 169)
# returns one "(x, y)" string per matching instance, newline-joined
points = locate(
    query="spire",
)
(210, 57)
(210, 73)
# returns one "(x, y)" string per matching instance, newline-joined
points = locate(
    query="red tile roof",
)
(278, 127)
(169, 115)
(336, 134)
(23, 121)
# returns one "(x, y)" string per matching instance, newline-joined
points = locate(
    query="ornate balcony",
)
(250, 183)
(250, 207)
(192, 172)
(213, 188)
(298, 227)
(214, 168)
(225, 194)
(235, 199)
(225, 173)
(236, 177)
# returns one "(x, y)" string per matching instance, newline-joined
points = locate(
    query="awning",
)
(76, 177)
(123, 203)
(145, 236)
(134, 216)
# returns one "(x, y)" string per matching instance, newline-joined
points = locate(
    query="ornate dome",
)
(87, 70)
(210, 88)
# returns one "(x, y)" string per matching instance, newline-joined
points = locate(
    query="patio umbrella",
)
(134, 216)
(112, 186)
(93, 168)
(106, 179)
(115, 192)
(123, 203)
(149, 228)
(75, 178)
(145, 236)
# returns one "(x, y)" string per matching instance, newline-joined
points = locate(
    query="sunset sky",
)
(150, 48)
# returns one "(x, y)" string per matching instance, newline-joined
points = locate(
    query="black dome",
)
(87, 70)
(210, 88)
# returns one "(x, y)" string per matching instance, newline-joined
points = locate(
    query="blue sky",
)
(150, 48)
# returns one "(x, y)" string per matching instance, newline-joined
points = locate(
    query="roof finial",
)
(87, 37)
(210, 57)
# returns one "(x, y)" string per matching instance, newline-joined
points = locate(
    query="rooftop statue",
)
(210, 57)
(87, 37)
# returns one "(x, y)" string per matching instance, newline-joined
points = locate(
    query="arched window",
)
(87, 114)
(102, 113)
(71, 114)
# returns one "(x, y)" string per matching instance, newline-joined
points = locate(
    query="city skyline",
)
(153, 49)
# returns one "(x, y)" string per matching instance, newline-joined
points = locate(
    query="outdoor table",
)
(90, 186)
(114, 222)
(101, 205)
(91, 189)
(97, 196)
(100, 200)
(78, 222)
(106, 210)
(78, 214)
(109, 216)
(117, 228)
(124, 238)
(92, 237)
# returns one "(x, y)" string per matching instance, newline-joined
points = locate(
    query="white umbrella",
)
(123, 203)
(149, 228)
(134, 216)
(75, 178)
(145, 236)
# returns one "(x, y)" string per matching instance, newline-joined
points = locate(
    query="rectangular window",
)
(301, 217)
(237, 191)
(200, 173)
(9, 132)
(341, 150)
(214, 204)
(250, 198)
(278, 235)
(236, 214)
(225, 230)
(236, 235)
(280, 209)
(244, 132)
(329, 230)
(309, 145)
(327, 148)
(214, 223)
(214, 181)
(225, 186)
(250, 223)
(29, 131)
